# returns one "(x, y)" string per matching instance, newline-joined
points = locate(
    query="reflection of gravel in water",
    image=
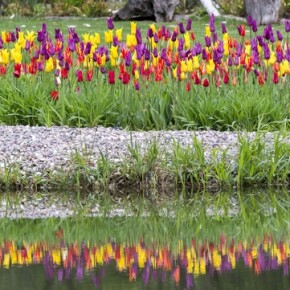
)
(56, 205)
(41, 150)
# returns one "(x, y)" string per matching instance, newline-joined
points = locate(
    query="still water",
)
(227, 264)
(211, 242)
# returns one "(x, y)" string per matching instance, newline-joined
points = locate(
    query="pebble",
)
(37, 150)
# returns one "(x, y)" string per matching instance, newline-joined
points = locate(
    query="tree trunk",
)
(209, 7)
(263, 11)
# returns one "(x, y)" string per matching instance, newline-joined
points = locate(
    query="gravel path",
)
(36, 150)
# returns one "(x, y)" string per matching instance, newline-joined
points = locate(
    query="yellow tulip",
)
(130, 40)
(30, 35)
(153, 27)
(133, 26)
(174, 73)
(207, 31)
(248, 49)
(186, 40)
(210, 67)
(97, 38)
(4, 56)
(119, 34)
(108, 36)
(114, 52)
(86, 37)
(183, 66)
(226, 49)
(136, 74)
(196, 62)
(272, 59)
(21, 40)
(113, 61)
(189, 65)
(16, 56)
(49, 65)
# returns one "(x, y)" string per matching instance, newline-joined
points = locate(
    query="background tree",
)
(263, 11)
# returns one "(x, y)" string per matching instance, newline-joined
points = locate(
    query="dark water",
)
(227, 264)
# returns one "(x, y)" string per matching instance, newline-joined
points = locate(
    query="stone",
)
(158, 10)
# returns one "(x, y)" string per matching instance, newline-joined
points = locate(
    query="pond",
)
(208, 241)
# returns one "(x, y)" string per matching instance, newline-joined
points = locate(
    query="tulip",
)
(136, 85)
(187, 87)
(89, 75)
(279, 35)
(133, 26)
(2, 69)
(181, 28)
(241, 30)
(49, 65)
(17, 70)
(211, 23)
(287, 25)
(275, 78)
(205, 82)
(111, 77)
(79, 75)
(224, 28)
(54, 95)
(110, 23)
(188, 24)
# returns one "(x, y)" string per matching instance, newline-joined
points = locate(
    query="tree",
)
(159, 10)
(263, 11)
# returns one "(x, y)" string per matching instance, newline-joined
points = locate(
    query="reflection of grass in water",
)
(204, 217)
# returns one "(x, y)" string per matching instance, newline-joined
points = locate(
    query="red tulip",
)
(89, 75)
(2, 70)
(79, 74)
(205, 82)
(54, 95)
(111, 77)
(187, 87)
(226, 78)
(275, 78)
(64, 73)
(17, 70)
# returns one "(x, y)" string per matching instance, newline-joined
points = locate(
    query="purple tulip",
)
(174, 36)
(267, 32)
(230, 61)
(147, 54)
(36, 53)
(266, 51)
(103, 70)
(13, 36)
(43, 28)
(287, 54)
(58, 35)
(27, 44)
(204, 54)
(188, 24)
(163, 53)
(211, 23)
(215, 37)
(207, 41)
(155, 37)
(239, 49)
(71, 45)
(221, 47)
(256, 57)
(163, 30)
(287, 25)
(180, 44)
(149, 33)
(110, 23)
(128, 59)
(250, 20)
(115, 40)
(279, 35)
(254, 26)
(139, 51)
(279, 56)
(40, 36)
(224, 27)
(51, 50)
(155, 52)
(1, 43)
(236, 60)
(138, 35)
(88, 48)
(181, 28)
